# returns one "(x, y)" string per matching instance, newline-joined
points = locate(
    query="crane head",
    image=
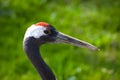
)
(43, 32)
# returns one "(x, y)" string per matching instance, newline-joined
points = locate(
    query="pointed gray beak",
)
(63, 38)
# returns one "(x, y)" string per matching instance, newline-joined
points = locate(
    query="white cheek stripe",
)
(34, 31)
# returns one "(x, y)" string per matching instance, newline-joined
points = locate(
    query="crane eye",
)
(47, 31)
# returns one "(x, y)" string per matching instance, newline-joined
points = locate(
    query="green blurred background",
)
(95, 21)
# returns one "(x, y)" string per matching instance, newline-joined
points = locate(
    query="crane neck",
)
(32, 51)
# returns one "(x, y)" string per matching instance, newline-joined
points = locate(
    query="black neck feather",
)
(32, 51)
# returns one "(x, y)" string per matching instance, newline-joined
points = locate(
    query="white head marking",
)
(34, 31)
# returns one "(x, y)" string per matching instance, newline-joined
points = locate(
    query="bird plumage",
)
(41, 33)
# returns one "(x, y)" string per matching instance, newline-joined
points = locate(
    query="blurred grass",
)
(97, 22)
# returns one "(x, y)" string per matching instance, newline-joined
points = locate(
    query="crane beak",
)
(61, 37)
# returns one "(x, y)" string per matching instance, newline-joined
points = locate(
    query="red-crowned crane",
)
(41, 33)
